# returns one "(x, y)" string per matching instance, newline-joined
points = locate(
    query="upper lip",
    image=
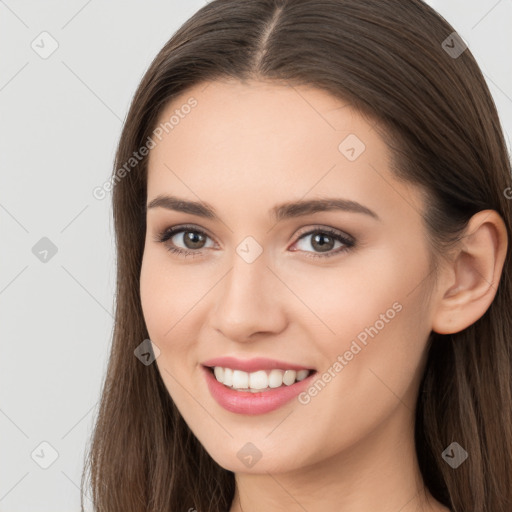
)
(252, 365)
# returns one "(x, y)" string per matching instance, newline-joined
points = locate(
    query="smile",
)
(261, 380)
(255, 386)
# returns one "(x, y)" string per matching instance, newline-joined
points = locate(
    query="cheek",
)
(167, 294)
(163, 304)
(172, 299)
(380, 365)
(153, 296)
(345, 299)
(371, 311)
(167, 300)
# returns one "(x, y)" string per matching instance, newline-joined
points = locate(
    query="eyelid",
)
(348, 240)
(328, 229)
(302, 231)
(178, 228)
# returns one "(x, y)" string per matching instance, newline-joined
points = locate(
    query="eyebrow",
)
(279, 212)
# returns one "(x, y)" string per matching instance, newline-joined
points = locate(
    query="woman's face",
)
(341, 290)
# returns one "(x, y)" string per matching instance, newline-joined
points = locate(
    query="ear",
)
(469, 283)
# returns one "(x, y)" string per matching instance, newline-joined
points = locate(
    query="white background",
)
(60, 122)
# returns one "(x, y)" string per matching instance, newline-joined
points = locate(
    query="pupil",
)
(193, 238)
(322, 246)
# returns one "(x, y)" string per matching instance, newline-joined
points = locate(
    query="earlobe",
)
(470, 282)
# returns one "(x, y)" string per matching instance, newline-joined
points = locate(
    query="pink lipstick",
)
(272, 383)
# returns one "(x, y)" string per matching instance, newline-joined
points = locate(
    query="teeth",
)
(228, 377)
(275, 378)
(240, 379)
(289, 377)
(219, 373)
(259, 380)
(302, 374)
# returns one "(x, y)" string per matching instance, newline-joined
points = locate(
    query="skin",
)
(243, 149)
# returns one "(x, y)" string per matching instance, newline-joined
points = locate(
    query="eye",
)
(324, 240)
(191, 239)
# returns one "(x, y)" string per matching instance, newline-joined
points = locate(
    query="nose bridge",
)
(246, 301)
(243, 279)
(245, 285)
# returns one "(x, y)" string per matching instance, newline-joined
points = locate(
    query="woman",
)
(312, 224)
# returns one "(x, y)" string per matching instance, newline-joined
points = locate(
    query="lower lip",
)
(246, 402)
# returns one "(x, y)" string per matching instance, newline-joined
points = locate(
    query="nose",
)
(249, 301)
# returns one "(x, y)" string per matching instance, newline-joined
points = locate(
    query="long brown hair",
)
(394, 61)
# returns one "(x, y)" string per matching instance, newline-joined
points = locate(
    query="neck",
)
(379, 473)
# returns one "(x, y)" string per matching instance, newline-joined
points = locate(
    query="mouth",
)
(258, 381)
(257, 386)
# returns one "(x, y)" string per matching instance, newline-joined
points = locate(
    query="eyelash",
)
(168, 233)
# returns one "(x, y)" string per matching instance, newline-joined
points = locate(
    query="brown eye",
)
(184, 240)
(193, 239)
(323, 241)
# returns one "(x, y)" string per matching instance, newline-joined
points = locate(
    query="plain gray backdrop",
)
(67, 75)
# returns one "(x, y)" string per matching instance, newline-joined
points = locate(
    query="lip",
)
(246, 402)
(252, 365)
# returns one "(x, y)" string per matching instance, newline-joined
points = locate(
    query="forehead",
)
(259, 142)
(263, 118)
